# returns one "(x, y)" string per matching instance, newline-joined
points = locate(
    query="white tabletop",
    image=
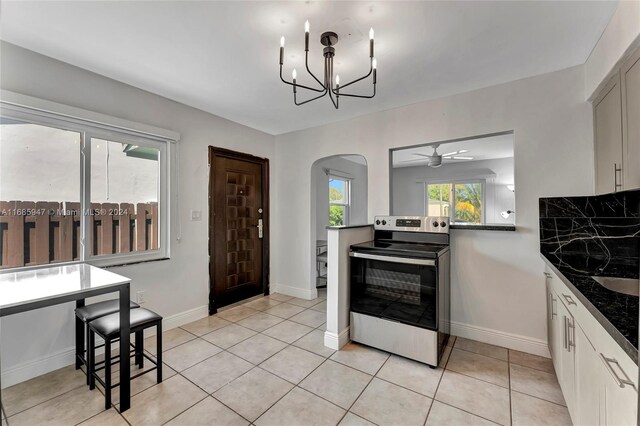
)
(18, 288)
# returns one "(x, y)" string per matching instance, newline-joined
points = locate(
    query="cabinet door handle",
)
(571, 333)
(616, 169)
(621, 382)
(565, 334)
(554, 302)
(569, 299)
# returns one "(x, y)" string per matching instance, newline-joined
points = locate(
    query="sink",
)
(630, 286)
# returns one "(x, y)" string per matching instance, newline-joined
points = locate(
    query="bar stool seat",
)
(96, 310)
(108, 328)
(86, 314)
(109, 325)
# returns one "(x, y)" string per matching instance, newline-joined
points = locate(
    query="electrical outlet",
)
(196, 215)
(140, 300)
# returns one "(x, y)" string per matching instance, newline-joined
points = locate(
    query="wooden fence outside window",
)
(39, 233)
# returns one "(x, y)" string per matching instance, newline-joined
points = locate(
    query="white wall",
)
(408, 196)
(175, 286)
(358, 207)
(619, 38)
(497, 281)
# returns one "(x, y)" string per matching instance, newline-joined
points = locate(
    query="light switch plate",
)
(196, 215)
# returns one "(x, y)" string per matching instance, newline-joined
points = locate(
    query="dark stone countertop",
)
(485, 227)
(616, 312)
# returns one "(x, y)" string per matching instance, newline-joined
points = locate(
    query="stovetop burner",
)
(402, 249)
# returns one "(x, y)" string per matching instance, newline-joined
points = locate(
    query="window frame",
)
(452, 207)
(347, 197)
(88, 128)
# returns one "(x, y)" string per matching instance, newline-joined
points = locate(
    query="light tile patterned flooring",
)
(264, 363)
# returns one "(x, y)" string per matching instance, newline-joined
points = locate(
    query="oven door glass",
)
(402, 292)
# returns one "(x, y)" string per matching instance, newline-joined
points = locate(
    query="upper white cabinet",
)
(617, 130)
(630, 79)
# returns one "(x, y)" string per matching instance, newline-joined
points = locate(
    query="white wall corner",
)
(287, 290)
(501, 338)
(336, 341)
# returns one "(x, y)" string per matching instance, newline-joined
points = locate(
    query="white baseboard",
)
(301, 293)
(336, 341)
(39, 366)
(501, 338)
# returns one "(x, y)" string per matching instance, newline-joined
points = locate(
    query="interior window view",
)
(469, 181)
(425, 213)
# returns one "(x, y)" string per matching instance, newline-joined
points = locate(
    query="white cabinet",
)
(616, 129)
(599, 380)
(607, 128)
(567, 374)
(588, 382)
(630, 85)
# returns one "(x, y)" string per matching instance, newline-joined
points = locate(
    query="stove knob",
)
(443, 224)
(377, 222)
(435, 224)
(384, 222)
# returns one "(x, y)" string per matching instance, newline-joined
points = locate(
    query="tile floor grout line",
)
(509, 381)
(538, 398)
(440, 381)
(186, 409)
(435, 392)
(42, 402)
(290, 390)
(466, 411)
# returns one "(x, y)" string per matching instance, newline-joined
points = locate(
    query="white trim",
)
(18, 101)
(336, 341)
(37, 367)
(501, 338)
(300, 293)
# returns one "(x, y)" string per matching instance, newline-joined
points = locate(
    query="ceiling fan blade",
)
(414, 160)
(451, 153)
(462, 158)
(421, 155)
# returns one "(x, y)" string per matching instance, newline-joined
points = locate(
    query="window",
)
(339, 200)
(70, 191)
(467, 205)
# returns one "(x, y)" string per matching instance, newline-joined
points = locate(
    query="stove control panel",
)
(437, 224)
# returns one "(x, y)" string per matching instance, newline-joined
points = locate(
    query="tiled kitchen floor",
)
(265, 363)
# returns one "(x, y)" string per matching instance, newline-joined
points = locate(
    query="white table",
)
(38, 288)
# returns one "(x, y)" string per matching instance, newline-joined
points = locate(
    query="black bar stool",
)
(86, 314)
(108, 327)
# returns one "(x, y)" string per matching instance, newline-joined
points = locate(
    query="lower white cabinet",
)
(598, 379)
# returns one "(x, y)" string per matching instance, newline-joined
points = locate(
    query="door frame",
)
(264, 163)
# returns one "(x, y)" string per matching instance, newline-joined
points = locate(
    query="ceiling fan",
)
(435, 159)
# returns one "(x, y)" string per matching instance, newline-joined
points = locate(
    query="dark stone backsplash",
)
(598, 235)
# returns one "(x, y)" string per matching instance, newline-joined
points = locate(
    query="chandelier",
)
(328, 39)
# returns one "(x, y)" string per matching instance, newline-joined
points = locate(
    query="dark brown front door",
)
(238, 227)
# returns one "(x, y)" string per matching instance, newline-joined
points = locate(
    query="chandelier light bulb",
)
(306, 26)
(338, 80)
(294, 74)
(374, 63)
(282, 41)
(371, 34)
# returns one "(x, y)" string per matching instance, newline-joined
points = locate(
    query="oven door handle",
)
(392, 259)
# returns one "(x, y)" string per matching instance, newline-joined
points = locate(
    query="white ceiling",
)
(222, 57)
(486, 148)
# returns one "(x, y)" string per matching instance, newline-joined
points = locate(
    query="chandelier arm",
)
(306, 64)
(356, 96)
(308, 100)
(342, 86)
(299, 85)
(336, 102)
